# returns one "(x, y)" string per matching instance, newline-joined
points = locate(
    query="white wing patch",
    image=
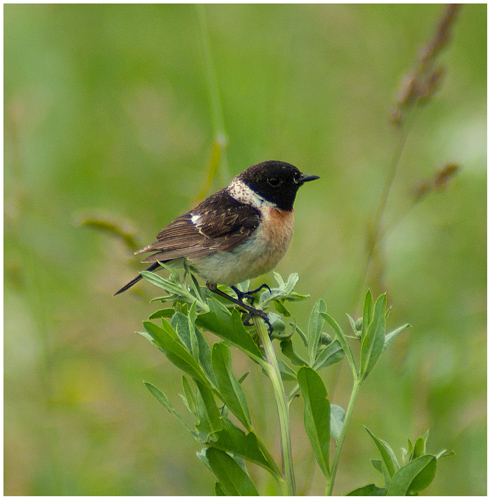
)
(195, 219)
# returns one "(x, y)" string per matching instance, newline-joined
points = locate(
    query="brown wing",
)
(218, 224)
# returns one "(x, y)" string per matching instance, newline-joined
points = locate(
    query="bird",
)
(238, 233)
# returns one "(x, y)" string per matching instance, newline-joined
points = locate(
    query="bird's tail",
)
(135, 280)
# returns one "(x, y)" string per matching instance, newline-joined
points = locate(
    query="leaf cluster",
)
(211, 391)
(416, 473)
(215, 398)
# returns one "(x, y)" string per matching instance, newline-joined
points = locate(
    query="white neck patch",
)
(240, 191)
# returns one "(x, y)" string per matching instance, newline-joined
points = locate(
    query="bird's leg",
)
(250, 294)
(251, 310)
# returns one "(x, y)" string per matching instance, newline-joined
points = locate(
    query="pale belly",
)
(258, 255)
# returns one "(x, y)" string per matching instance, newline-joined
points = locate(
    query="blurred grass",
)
(107, 111)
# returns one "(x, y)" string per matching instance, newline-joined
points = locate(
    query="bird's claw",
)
(251, 311)
(250, 294)
(260, 314)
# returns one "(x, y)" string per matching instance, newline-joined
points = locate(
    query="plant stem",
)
(374, 236)
(293, 393)
(273, 370)
(347, 418)
(218, 157)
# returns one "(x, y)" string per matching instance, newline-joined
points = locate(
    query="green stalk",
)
(347, 418)
(293, 393)
(218, 157)
(374, 236)
(273, 370)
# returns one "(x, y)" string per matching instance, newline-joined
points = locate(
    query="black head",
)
(276, 182)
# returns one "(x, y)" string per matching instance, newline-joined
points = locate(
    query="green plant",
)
(217, 401)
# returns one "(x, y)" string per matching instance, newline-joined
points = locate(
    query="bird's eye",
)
(274, 181)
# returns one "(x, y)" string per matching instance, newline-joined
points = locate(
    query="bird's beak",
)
(308, 178)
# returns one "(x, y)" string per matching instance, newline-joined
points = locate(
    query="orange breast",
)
(278, 226)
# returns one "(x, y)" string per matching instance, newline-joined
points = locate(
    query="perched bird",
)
(238, 233)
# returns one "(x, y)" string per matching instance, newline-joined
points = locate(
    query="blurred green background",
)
(107, 114)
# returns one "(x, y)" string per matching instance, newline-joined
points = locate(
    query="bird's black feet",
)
(257, 312)
(251, 311)
(250, 294)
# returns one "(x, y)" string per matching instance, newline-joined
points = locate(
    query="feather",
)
(218, 224)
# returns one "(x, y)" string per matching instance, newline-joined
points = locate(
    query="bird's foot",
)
(250, 294)
(261, 314)
(251, 311)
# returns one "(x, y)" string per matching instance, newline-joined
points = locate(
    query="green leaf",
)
(419, 447)
(173, 274)
(387, 314)
(189, 397)
(353, 325)
(445, 453)
(208, 412)
(201, 454)
(425, 477)
(290, 284)
(393, 334)
(159, 334)
(280, 307)
(219, 490)
(162, 399)
(294, 297)
(166, 339)
(182, 324)
(287, 373)
(331, 355)
(283, 292)
(166, 298)
(196, 289)
(166, 284)
(379, 465)
(343, 340)
(410, 449)
(279, 279)
(247, 446)
(367, 313)
(414, 476)
(191, 318)
(315, 329)
(288, 350)
(162, 313)
(173, 286)
(372, 344)
(233, 479)
(302, 335)
(229, 327)
(337, 421)
(316, 415)
(370, 490)
(388, 455)
(205, 355)
(279, 327)
(228, 387)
